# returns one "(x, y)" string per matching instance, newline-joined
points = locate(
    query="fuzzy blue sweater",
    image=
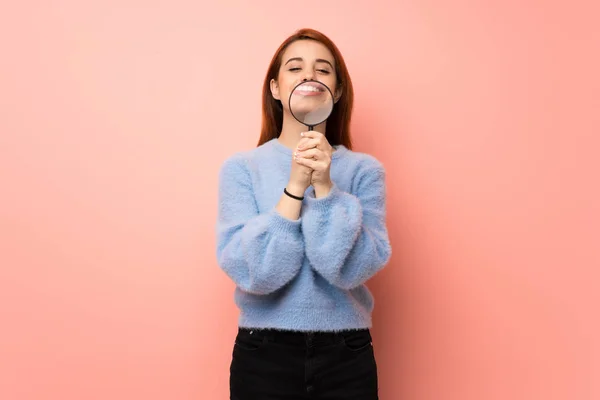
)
(307, 274)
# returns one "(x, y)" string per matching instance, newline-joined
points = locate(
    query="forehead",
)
(308, 50)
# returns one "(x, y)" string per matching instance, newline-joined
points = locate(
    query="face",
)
(306, 60)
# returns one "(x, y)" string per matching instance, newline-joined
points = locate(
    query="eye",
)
(294, 69)
(323, 71)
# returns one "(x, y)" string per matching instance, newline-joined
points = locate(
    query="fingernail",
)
(301, 133)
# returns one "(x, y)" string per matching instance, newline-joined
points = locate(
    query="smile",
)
(308, 89)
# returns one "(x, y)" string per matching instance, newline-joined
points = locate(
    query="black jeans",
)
(277, 365)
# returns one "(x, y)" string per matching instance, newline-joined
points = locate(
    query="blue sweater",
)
(307, 274)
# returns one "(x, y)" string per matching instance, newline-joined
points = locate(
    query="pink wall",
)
(116, 115)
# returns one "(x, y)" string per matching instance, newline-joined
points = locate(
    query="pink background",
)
(116, 115)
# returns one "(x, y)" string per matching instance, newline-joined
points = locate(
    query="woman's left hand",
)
(314, 151)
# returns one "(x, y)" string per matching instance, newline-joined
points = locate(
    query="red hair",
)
(338, 124)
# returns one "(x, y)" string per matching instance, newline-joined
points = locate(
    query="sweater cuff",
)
(324, 204)
(284, 227)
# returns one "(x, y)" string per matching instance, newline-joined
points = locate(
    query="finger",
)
(316, 139)
(303, 142)
(310, 163)
(311, 153)
(308, 144)
(311, 134)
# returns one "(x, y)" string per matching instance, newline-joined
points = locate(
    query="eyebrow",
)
(317, 60)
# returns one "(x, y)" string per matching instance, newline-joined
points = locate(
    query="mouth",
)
(309, 89)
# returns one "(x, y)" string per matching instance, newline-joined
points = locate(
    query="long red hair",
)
(338, 123)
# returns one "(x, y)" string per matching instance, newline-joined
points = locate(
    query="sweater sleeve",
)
(259, 252)
(345, 234)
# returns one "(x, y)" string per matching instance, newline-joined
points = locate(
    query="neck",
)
(291, 129)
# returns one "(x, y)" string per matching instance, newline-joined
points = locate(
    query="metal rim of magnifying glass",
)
(292, 93)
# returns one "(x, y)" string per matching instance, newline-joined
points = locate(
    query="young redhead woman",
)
(301, 229)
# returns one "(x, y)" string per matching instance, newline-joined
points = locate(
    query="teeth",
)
(308, 88)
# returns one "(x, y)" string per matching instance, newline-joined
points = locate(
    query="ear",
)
(338, 94)
(275, 89)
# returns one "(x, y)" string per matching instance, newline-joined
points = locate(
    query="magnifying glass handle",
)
(310, 127)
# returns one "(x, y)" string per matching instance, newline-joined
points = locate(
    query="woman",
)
(301, 228)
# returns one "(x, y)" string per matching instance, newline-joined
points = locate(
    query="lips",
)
(309, 89)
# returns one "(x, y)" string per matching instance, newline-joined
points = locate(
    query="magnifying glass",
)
(311, 103)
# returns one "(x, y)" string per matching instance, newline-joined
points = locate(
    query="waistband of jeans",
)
(303, 338)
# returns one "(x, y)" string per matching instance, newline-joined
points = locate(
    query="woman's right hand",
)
(300, 177)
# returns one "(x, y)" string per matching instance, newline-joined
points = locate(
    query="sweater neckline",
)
(339, 149)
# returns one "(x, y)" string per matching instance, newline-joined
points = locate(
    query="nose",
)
(309, 75)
